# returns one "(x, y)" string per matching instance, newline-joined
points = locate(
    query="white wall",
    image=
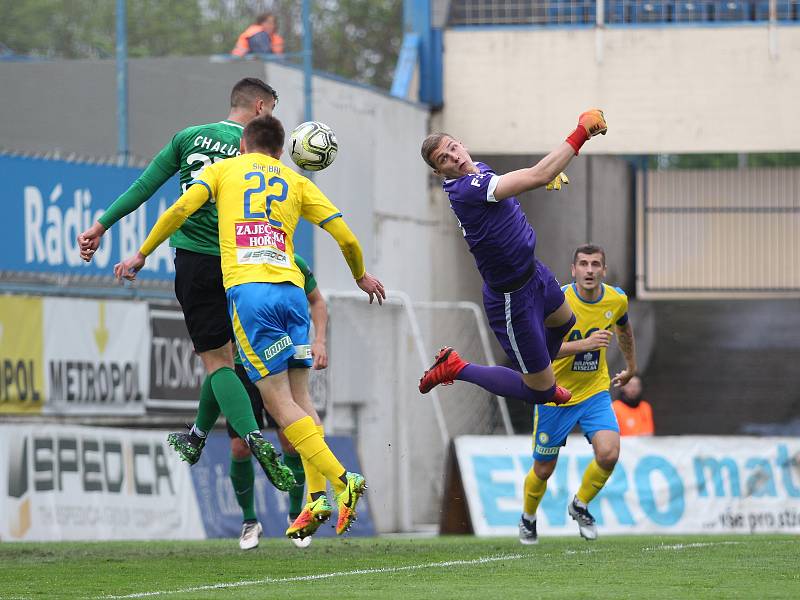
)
(664, 89)
(378, 180)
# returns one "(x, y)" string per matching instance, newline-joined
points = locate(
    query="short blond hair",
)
(430, 144)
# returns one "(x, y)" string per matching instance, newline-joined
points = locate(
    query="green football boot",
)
(188, 446)
(278, 473)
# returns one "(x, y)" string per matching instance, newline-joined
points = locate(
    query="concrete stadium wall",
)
(664, 89)
(377, 181)
(68, 108)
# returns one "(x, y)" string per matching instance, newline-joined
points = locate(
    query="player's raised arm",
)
(163, 166)
(351, 250)
(167, 224)
(590, 123)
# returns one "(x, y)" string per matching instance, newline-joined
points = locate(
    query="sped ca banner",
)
(681, 484)
(84, 483)
(96, 356)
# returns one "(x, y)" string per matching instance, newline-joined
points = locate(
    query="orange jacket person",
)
(260, 38)
(634, 415)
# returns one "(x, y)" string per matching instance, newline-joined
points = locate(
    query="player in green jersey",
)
(241, 469)
(198, 273)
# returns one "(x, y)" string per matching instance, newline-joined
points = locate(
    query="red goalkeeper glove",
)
(590, 124)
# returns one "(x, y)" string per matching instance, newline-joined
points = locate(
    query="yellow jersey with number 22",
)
(259, 203)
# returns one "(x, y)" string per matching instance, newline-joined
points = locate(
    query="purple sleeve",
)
(476, 188)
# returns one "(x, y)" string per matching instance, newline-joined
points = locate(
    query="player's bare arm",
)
(319, 316)
(598, 339)
(627, 346)
(590, 123)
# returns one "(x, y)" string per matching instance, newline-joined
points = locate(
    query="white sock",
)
(578, 502)
(530, 518)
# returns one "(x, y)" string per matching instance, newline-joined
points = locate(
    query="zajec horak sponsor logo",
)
(258, 242)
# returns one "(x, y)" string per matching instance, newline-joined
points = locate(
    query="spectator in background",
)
(275, 40)
(260, 38)
(634, 415)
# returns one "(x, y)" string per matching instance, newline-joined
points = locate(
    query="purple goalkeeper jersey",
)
(497, 233)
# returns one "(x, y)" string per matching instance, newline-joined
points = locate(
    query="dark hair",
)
(264, 133)
(589, 249)
(248, 90)
(263, 17)
(430, 144)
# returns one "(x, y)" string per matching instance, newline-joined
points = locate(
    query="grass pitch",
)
(447, 567)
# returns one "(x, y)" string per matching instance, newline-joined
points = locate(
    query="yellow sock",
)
(315, 481)
(594, 478)
(534, 491)
(305, 438)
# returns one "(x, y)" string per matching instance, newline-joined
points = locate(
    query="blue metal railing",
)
(584, 12)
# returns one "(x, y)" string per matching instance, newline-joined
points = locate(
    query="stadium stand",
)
(584, 12)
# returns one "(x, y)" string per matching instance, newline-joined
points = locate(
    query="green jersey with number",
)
(188, 153)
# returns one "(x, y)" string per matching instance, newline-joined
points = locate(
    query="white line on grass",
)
(236, 584)
(685, 546)
(450, 563)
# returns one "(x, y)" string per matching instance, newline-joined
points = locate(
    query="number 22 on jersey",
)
(262, 184)
(259, 241)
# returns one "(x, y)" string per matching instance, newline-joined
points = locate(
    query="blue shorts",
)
(270, 325)
(552, 424)
(517, 318)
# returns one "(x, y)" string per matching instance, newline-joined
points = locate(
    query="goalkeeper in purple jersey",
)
(198, 273)
(524, 303)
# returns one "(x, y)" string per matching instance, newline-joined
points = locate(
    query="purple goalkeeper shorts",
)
(517, 318)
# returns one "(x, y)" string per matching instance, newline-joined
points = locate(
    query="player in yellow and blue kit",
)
(259, 202)
(581, 367)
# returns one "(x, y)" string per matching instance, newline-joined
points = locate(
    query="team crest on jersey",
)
(608, 314)
(543, 438)
(586, 362)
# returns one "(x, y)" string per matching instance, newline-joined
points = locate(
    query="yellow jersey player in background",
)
(581, 368)
(260, 201)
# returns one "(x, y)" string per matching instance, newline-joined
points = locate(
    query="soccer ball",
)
(313, 146)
